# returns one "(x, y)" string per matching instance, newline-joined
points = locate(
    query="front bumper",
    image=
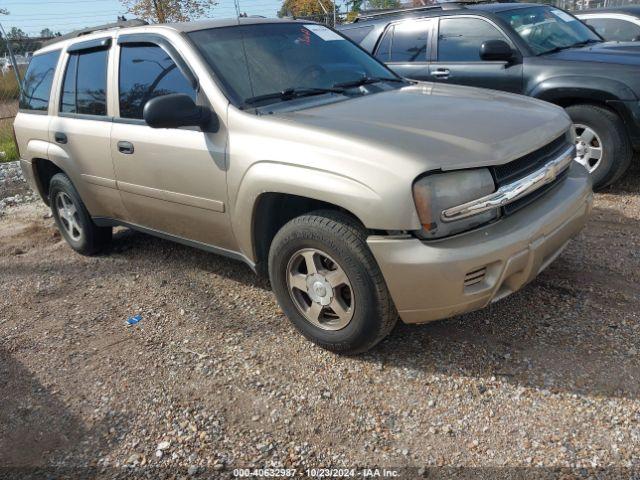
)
(439, 279)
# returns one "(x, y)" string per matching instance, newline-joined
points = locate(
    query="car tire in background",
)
(602, 144)
(73, 219)
(328, 283)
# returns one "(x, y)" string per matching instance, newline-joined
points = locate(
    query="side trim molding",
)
(181, 198)
(100, 181)
(111, 222)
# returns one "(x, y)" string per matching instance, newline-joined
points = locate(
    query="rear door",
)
(79, 133)
(406, 46)
(458, 55)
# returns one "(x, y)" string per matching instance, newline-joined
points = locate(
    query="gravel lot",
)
(215, 378)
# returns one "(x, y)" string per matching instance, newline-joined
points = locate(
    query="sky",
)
(65, 15)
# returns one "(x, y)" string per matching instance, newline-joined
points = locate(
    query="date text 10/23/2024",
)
(316, 473)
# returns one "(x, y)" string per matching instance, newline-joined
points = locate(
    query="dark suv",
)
(530, 49)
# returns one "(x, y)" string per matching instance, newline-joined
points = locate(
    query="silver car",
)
(364, 197)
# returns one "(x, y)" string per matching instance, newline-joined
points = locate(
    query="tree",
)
(16, 34)
(380, 4)
(304, 8)
(46, 33)
(163, 11)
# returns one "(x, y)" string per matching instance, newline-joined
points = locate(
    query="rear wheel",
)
(328, 283)
(602, 144)
(73, 219)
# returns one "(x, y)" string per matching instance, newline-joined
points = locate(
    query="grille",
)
(523, 166)
(531, 162)
(532, 197)
(475, 277)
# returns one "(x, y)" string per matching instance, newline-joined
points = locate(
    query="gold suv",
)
(364, 196)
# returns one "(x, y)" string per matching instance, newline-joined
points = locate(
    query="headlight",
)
(435, 193)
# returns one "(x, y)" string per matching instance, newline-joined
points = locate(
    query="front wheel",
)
(328, 283)
(602, 144)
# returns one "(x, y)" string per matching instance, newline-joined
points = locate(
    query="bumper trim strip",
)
(513, 191)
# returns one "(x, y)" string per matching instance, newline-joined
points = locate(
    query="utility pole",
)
(237, 5)
(334, 13)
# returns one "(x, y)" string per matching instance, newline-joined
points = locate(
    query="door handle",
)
(442, 73)
(125, 147)
(60, 138)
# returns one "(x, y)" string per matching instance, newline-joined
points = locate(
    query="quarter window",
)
(146, 72)
(358, 34)
(615, 29)
(459, 39)
(36, 86)
(84, 89)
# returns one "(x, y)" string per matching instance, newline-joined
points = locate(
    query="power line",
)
(10, 16)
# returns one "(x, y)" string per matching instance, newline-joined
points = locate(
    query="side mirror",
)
(496, 50)
(173, 111)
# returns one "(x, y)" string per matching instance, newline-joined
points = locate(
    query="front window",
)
(146, 72)
(254, 61)
(548, 29)
(460, 39)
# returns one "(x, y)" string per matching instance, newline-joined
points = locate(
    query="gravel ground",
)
(214, 377)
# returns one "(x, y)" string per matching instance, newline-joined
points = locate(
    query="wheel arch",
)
(43, 172)
(583, 88)
(270, 194)
(272, 210)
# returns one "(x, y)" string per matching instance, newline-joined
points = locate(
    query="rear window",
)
(36, 86)
(84, 89)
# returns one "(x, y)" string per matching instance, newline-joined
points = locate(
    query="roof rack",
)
(371, 14)
(107, 26)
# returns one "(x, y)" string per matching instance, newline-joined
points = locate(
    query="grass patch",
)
(9, 89)
(7, 145)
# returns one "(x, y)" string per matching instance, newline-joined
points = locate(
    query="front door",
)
(172, 181)
(458, 56)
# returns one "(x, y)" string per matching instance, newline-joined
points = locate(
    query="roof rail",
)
(371, 14)
(107, 26)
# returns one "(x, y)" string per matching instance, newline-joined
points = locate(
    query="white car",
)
(620, 24)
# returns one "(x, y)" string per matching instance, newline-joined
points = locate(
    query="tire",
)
(84, 236)
(616, 151)
(341, 243)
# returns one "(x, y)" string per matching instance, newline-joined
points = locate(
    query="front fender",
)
(275, 177)
(571, 86)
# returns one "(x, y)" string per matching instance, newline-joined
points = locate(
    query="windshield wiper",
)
(575, 45)
(290, 94)
(367, 81)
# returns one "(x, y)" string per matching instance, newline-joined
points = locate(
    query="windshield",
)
(547, 29)
(260, 60)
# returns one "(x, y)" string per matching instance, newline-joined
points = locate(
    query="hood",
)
(622, 53)
(438, 126)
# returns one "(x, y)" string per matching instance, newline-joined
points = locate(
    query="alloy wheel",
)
(588, 147)
(68, 215)
(320, 289)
